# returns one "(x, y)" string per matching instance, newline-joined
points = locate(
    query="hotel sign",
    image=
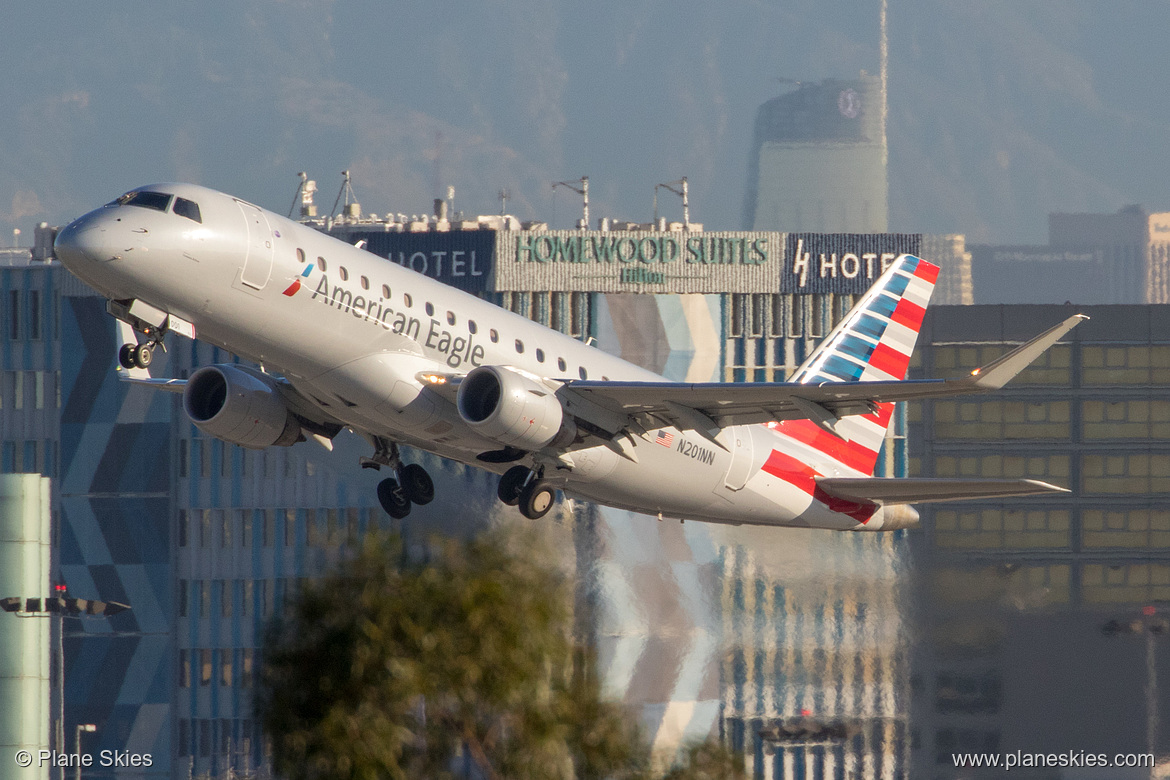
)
(641, 261)
(841, 262)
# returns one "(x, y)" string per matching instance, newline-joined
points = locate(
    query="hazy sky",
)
(1000, 112)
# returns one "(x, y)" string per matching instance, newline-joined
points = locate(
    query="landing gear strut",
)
(410, 485)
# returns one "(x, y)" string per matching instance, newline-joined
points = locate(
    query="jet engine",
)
(513, 408)
(240, 407)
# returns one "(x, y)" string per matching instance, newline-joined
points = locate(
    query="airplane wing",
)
(707, 407)
(917, 491)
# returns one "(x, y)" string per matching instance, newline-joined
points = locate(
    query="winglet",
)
(999, 372)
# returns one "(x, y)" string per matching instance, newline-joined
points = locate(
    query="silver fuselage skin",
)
(356, 352)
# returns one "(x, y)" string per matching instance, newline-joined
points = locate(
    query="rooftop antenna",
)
(351, 207)
(682, 192)
(503, 196)
(884, 75)
(305, 191)
(583, 191)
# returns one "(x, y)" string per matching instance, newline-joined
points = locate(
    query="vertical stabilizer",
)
(872, 343)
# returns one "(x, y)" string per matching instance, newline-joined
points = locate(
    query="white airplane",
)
(346, 339)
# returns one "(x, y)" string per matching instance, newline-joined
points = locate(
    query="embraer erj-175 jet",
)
(346, 339)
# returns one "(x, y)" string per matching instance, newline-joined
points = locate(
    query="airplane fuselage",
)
(354, 332)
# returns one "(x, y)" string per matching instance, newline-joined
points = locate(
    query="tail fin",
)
(873, 342)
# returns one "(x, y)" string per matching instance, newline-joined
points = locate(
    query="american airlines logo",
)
(454, 349)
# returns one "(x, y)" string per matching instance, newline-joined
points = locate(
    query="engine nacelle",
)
(512, 408)
(240, 407)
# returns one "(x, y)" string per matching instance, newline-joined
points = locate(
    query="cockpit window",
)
(190, 210)
(147, 200)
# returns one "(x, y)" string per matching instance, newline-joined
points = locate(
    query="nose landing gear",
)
(133, 355)
(410, 485)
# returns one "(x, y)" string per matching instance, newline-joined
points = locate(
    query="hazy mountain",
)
(999, 111)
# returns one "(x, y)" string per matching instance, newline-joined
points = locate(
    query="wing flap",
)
(925, 490)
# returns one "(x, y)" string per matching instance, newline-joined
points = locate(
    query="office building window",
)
(205, 667)
(1135, 473)
(184, 669)
(183, 745)
(183, 596)
(247, 667)
(1136, 419)
(1002, 528)
(204, 598)
(34, 315)
(225, 667)
(14, 315)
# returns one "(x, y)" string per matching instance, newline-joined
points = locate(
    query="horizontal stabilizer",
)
(918, 491)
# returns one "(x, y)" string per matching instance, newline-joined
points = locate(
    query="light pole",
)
(1152, 628)
(583, 191)
(86, 727)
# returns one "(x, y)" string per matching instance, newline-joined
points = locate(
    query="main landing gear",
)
(410, 485)
(133, 355)
(521, 486)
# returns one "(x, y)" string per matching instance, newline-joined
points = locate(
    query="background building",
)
(818, 160)
(1089, 259)
(1012, 598)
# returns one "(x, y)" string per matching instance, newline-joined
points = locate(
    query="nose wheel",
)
(136, 355)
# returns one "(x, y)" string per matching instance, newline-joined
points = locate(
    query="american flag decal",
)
(664, 438)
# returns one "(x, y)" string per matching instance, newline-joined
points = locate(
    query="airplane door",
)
(739, 441)
(258, 261)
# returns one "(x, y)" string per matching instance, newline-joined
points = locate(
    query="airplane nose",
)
(80, 242)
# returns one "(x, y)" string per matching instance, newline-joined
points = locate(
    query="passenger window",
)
(321, 263)
(344, 274)
(539, 355)
(365, 283)
(190, 210)
(561, 364)
(385, 291)
(519, 346)
(471, 327)
(493, 335)
(408, 300)
(450, 318)
(430, 309)
(300, 255)
(584, 374)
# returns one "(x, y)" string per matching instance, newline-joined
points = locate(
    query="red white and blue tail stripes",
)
(874, 342)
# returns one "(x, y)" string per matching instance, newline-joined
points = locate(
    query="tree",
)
(393, 667)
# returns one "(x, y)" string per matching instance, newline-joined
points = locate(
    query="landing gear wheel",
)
(537, 499)
(417, 484)
(511, 484)
(143, 355)
(126, 356)
(393, 499)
